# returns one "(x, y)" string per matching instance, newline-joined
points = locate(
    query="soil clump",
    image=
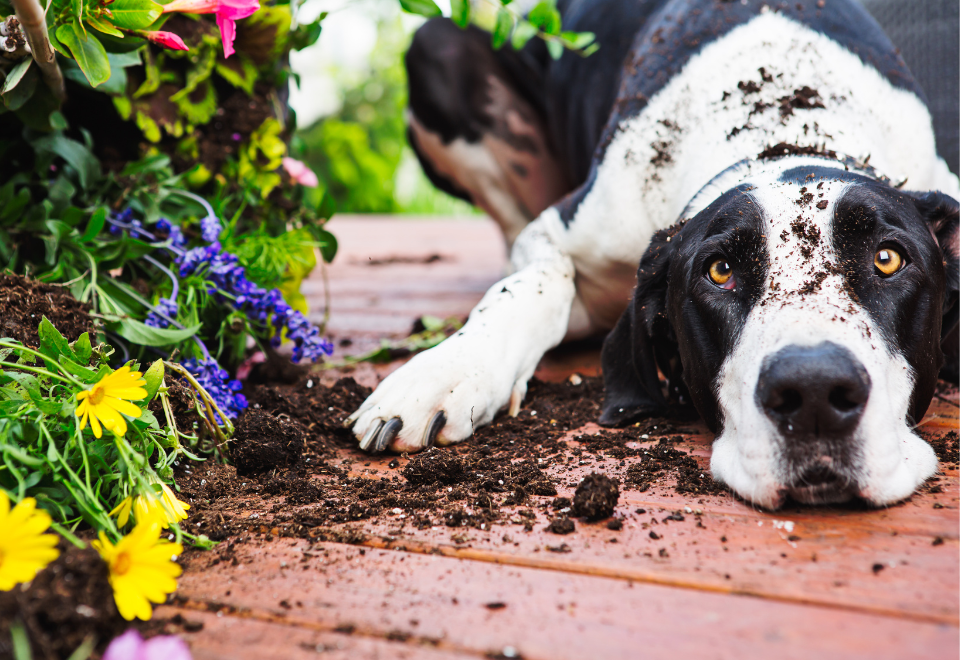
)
(263, 442)
(596, 497)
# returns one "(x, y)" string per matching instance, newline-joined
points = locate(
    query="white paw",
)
(440, 397)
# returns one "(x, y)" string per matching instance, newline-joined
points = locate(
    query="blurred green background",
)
(350, 105)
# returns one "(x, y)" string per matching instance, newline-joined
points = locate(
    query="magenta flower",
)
(165, 39)
(130, 646)
(227, 11)
(300, 173)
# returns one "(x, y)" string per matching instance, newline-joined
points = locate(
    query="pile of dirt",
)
(67, 602)
(263, 443)
(24, 303)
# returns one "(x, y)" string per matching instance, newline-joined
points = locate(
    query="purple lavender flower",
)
(194, 259)
(164, 229)
(165, 306)
(210, 229)
(228, 279)
(217, 383)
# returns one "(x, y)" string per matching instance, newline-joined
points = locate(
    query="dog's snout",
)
(813, 390)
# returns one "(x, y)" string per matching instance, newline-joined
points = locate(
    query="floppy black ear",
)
(641, 337)
(942, 214)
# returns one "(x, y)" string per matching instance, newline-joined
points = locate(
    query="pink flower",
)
(130, 646)
(300, 173)
(165, 39)
(227, 11)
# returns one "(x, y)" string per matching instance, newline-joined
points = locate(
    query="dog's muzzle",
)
(815, 395)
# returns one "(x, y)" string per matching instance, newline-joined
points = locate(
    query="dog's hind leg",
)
(442, 395)
(476, 124)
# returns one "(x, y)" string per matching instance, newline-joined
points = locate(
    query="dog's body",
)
(754, 126)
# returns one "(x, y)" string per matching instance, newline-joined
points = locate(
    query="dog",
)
(771, 166)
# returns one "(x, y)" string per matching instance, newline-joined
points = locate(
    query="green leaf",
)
(101, 25)
(95, 225)
(52, 343)
(328, 245)
(15, 75)
(460, 12)
(239, 72)
(555, 48)
(134, 14)
(147, 420)
(58, 122)
(145, 335)
(123, 60)
(524, 33)
(76, 154)
(426, 8)
(306, 34)
(154, 377)
(502, 28)
(578, 40)
(82, 348)
(546, 17)
(20, 93)
(71, 367)
(87, 50)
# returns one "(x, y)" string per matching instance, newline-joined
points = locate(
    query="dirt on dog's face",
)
(801, 313)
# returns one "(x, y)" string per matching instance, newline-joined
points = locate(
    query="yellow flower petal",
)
(141, 569)
(95, 425)
(24, 548)
(121, 406)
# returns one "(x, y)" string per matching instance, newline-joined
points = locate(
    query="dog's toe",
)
(433, 428)
(386, 435)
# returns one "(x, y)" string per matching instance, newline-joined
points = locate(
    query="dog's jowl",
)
(775, 175)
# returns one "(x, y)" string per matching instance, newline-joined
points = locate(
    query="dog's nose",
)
(813, 390)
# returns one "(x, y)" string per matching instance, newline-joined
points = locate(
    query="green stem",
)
(41, 372)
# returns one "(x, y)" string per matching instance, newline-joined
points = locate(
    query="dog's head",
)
(802, 313)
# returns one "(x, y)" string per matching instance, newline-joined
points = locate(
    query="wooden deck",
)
(728, 581)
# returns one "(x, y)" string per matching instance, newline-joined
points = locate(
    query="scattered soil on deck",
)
(498, 477)
(24, 303)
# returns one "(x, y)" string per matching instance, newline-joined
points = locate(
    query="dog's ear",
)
(942, 214)
(641, 337)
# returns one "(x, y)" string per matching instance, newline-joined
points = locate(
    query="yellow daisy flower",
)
(166, 510)
(24, 549)
(142, 569)
(104, 402)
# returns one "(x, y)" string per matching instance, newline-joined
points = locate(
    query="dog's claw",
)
(371, 434)
(437, 422)
(387, 433)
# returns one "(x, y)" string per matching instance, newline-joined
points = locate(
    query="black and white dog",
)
(754, 158)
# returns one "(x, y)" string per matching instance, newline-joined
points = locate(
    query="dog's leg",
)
(477, 124)
(443, 394)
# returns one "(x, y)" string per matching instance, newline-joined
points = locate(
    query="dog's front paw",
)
(439, 397)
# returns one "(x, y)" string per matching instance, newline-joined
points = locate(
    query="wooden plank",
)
(226, 636)
(479, 608)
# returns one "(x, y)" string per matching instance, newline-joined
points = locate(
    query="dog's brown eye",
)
(721, 273)
(888, 261)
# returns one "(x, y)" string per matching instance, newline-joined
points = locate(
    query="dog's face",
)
(801, 311)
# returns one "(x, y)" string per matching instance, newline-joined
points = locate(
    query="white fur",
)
(472, 375)
(746, 456)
